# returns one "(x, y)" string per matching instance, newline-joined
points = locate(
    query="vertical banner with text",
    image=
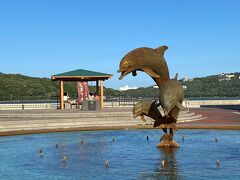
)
(83, 91)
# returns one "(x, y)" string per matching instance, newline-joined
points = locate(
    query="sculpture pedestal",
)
(167, 142)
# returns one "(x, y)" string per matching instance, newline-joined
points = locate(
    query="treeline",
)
(17, 86)
(211, 86)
(204, 87)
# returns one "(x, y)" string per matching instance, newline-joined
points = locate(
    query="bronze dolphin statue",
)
(153, 63)
(145, 59)
(149, 108)
(171, 96)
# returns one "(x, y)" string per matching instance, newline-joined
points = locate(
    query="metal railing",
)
(53, 102)
(28, 103)
(124, 101)
(109, 101)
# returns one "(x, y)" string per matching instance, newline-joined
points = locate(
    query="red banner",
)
(83, 91)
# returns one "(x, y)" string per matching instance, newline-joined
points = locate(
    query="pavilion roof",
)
(81, 75)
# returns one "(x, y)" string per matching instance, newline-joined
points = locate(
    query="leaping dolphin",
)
(171, 96)
(153, 63)
(145, 59)
(149, 108)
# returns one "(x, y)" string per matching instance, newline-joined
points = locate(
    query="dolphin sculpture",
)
(152, 62)
(149, 60)
(150, 109)
(171, 96)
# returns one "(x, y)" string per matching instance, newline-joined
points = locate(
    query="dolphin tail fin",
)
(160, 50)
(181, 107)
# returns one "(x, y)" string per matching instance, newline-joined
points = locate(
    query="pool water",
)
(129, 155)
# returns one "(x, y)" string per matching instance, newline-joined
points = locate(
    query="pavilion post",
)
(61, 95)
(97, 88)
(101, 94)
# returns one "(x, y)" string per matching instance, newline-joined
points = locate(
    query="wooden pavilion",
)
(81, 75)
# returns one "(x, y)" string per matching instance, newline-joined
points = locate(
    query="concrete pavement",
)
(30, 121)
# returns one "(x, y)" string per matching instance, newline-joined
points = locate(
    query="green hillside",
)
(17, 86)
(213, 86)
(210, 86)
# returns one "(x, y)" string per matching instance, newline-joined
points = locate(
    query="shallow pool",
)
(128, 152)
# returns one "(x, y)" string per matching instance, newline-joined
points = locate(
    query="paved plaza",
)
(37, 121)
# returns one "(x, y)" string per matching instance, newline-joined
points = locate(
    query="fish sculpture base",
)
(167, 142)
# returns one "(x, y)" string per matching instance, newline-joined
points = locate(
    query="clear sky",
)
(44, 37)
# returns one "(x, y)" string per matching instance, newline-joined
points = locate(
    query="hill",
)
(17, 86)
(222, 85)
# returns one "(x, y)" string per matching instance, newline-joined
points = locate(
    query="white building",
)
(225, 77)
(126, 87)
(187, 79)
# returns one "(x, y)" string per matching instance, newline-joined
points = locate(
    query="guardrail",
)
(109, 102)
(40, 103)
(123, 101)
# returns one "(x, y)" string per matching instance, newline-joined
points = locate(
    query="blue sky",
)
(44, 37)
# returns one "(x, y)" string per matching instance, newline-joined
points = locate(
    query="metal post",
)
(22, 104)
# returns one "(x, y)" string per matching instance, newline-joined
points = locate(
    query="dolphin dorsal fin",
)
(176, 76)
(160, 50)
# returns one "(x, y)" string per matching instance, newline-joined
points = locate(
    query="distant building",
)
(184, 87)
(187, 79)
(126, 87)
(225, 77)
(155, 86)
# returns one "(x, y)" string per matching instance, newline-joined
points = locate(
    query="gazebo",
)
(81, 75)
